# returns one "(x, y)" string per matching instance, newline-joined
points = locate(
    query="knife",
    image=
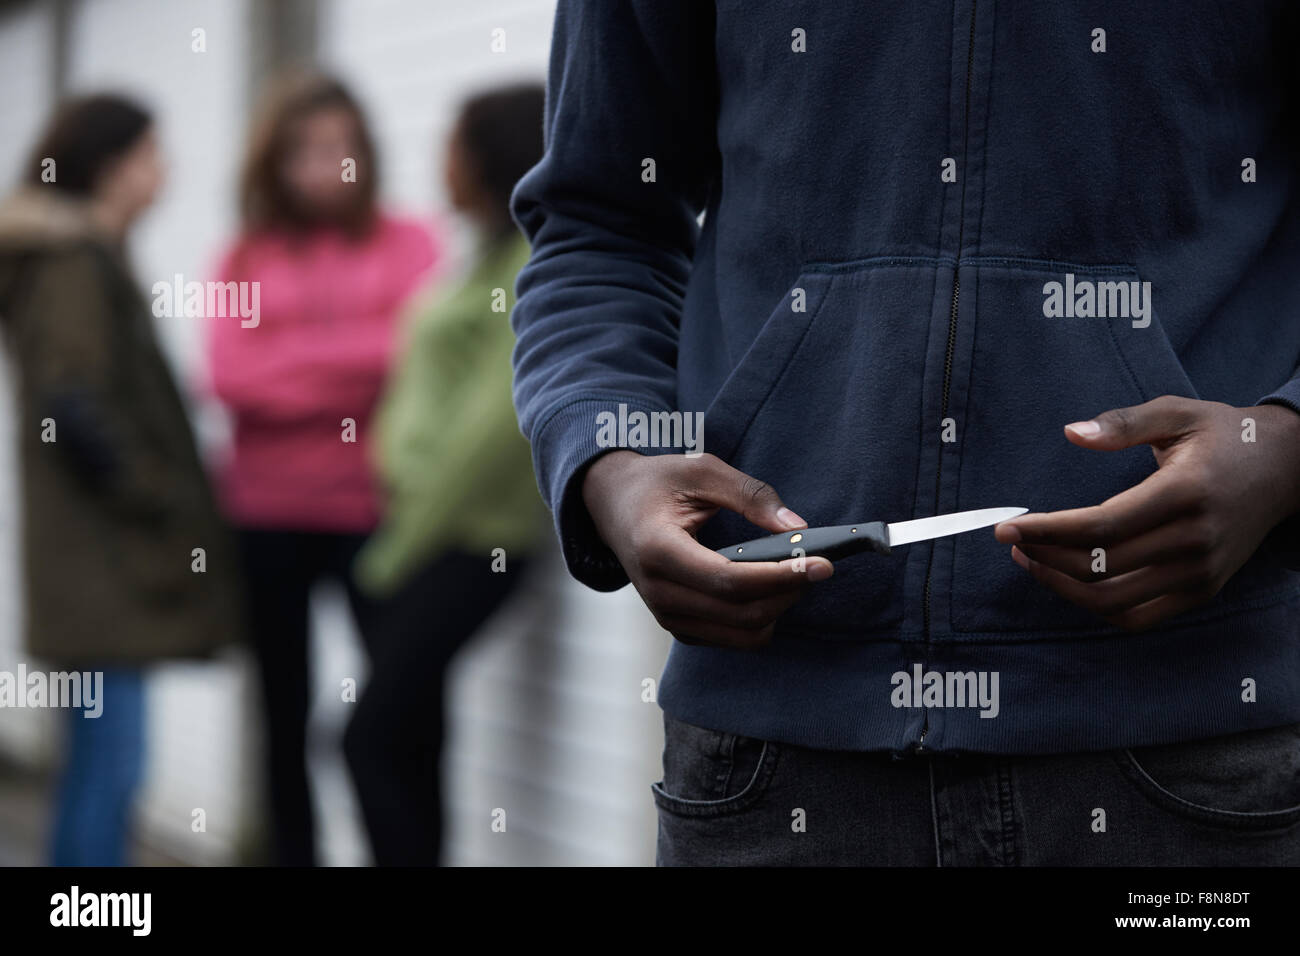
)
(840, 541)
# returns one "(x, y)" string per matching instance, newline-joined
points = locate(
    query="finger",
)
(1112, 595)
(1155, 612)
(1152, 423)
(1158, 500)
(695, 631)
(679, 557)
(1177, 541)
(670, 598)
(717, 482)
(1078, 563)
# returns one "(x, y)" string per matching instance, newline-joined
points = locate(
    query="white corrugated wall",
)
(547, 712)
(26, 52)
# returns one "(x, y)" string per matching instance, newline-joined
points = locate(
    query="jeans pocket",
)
(712, 772)
(1249, 780)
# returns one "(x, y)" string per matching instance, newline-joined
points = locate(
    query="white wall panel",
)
(547, 720)
(26, 52)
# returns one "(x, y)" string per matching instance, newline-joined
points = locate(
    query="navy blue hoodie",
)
(889, 192)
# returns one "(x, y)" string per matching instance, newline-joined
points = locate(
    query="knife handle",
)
(833, 543)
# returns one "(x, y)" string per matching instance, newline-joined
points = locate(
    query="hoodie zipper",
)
(952, 341)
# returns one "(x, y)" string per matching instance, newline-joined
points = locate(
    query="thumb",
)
(1151, 423)
(756, 500)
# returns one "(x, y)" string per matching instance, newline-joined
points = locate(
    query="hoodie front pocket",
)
(825, 406)
(1054, 343)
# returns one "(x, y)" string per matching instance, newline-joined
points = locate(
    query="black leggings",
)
(394, 740)
(282, 568)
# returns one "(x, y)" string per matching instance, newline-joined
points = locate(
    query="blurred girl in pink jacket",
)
(300, 379)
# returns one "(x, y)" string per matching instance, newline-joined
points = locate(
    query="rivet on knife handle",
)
(833, 543)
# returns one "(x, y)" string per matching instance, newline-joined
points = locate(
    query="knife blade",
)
(839, 541)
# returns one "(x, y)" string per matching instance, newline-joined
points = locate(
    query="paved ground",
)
(25, 799)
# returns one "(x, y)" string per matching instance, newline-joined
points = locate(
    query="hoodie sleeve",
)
(612, 213)
(1288, 395)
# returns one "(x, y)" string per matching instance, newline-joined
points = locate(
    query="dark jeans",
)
(394, 741)
(731, 800)
(282, 568)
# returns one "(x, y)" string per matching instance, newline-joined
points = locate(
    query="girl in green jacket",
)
(462, 511)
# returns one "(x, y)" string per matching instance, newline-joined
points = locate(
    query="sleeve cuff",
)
(1288, 395)
(564, 446)
(1282, 544)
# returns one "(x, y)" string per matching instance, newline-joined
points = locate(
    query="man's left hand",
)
(1171, 542)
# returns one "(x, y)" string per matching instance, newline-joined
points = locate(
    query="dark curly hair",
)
(84, 137)
(500, 131)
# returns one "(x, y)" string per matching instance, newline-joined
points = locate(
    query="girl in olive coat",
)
(126, 561)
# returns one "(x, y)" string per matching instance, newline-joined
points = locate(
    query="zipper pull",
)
(920, 744)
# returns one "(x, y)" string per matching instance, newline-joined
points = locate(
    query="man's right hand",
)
(648, 508)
